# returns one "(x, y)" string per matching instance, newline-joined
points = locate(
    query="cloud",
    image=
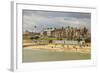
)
(46, 19)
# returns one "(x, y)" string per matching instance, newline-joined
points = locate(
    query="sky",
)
(37, 21)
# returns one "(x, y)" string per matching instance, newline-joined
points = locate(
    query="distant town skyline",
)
(37, 21)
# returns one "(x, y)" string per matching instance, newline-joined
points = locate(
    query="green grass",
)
(47, 38)
(45, 55)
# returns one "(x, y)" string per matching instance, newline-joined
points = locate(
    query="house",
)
(47, 32)
(58, 33)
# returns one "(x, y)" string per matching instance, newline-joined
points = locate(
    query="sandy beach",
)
(33, 52)
(58, 47)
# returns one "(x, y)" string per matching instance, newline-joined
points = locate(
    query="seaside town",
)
(69, 39)
(56, 36)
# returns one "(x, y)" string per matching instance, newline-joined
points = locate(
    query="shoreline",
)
(60, 48)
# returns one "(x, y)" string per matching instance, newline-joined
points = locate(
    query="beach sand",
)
(52, 52)
(59, 47)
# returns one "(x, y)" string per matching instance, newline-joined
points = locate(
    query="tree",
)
(51, 28)
(35, 37)
(88, 40)
(68, 31)
(50, 41)
(35, 26)
(85, 30)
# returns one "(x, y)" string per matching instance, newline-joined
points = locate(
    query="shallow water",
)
(30, 55)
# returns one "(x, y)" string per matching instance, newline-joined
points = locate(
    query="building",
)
(47, 32)
(58, 33)
(68, 33)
